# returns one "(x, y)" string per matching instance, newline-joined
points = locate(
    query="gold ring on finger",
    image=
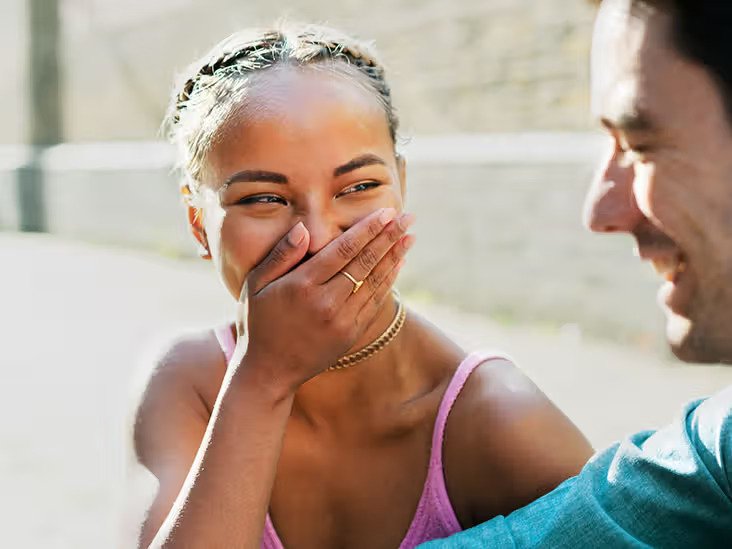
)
(356, 283)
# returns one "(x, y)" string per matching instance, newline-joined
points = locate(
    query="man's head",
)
(662, 88)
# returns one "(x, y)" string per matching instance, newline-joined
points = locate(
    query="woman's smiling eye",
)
(360, 187)
(262, 199)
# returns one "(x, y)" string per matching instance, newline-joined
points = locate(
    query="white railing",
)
(460, 149)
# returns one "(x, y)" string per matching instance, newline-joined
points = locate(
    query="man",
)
(662, 88)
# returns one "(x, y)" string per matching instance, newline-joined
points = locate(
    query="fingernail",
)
(406, 221)
(387, 215)
(296, 235)
(408, 241)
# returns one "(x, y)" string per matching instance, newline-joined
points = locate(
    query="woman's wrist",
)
(261, 376)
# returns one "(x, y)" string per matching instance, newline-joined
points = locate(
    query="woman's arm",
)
(215, 479)
(223, 499)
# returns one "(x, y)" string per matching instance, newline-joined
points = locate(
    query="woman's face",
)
(309, 146)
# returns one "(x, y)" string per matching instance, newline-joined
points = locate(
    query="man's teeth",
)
(668, 268)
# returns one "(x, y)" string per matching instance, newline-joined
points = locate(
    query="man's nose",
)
(610, 204)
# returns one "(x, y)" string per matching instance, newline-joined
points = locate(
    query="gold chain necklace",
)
(378, 344)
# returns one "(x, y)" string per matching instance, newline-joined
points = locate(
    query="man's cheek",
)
(645, 189)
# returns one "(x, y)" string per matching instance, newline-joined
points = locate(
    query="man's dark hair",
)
(702, 32)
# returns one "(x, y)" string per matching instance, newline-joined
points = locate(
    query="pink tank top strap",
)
(455, 387)
(435, 516)
(226, 339)
(270, 539)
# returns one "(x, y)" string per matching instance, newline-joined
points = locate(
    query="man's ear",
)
(195, 221)
(402, 171)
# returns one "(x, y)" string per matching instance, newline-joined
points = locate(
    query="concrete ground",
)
(76, 320)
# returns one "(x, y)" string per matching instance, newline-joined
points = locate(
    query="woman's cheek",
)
(243, 244)
(246, 241)
(357, 210)
(397, 200)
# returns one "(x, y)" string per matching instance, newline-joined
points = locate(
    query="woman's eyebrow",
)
(263, 176)
(253, 176)
(358, 162)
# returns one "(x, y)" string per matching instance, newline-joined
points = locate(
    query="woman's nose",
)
(610, 204)
(323, 229)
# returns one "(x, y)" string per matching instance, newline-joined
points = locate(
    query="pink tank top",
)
(435, 517)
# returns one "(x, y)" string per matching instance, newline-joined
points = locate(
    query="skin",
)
(667, 176)
(338, 458)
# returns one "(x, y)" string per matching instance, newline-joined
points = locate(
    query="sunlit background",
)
(97, 266)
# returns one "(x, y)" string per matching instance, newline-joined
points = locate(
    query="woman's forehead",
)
(295, 108)
(312, 117)
(288, 90)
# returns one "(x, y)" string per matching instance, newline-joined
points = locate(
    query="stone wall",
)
(468, 66)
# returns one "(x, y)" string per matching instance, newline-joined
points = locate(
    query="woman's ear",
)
(402, 170)
(195, 221)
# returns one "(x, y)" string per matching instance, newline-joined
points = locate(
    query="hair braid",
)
(210, 89)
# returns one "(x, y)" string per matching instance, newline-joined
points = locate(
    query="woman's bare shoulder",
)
(498, 388)
(507, 443)
(179, 383)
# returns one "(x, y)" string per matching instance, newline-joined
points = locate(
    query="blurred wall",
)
(499, 225)
(486, 66)
(12, 66)
(469, 66)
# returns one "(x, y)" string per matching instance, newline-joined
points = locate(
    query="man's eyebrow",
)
(252, 176)
(634, 121)
(358, 162)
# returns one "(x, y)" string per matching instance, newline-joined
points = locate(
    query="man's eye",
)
(633, 153)
(636, 149)
(262, 199)
(633, 148)
(360, 187)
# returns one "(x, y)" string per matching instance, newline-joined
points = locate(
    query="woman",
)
(331, 417)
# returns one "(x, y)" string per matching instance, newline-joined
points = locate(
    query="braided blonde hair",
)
(213, 87)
